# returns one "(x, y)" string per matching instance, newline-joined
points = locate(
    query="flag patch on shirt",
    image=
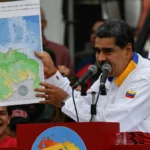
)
(130, 94)
(57, 78)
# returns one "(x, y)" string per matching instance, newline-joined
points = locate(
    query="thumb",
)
(39, 55)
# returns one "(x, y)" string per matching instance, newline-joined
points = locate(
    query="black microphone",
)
(91, 71)
(106, 69)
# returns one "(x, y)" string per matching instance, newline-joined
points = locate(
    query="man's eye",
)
(107, 50)
(96, 50)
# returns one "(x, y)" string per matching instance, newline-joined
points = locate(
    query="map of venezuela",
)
(48, 144)
(58, 138)
(17, 68)
(20, 70)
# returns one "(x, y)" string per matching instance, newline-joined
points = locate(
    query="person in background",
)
(64, 70)
(95, 26)
(62, 54)
(6, 141)
(127, 99)
(18, 116)
(87, 61)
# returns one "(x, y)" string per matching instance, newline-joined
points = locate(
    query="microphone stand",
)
(102, 89)
(83, 89)
(93, 105)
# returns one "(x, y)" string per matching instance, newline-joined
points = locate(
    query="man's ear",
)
(129, 51)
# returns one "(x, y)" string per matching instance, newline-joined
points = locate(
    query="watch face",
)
(62, 104)
(23, 90)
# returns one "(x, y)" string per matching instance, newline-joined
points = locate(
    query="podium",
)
(95, 135)
(131, 147)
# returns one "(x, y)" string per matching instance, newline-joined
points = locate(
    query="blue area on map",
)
(21, 30)
(4, 36)
(32, 18)
(60, 134)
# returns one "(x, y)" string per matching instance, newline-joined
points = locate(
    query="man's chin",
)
(111, 75)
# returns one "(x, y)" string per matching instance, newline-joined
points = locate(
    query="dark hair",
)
(118, 29)
(9, 110)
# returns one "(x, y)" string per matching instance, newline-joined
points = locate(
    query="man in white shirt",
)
(128, 97)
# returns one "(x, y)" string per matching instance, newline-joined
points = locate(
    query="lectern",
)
(48, 136)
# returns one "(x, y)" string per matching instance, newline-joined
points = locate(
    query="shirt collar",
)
(131, 66)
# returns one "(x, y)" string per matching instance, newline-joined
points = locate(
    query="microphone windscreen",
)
(106, 66)
(93, 68)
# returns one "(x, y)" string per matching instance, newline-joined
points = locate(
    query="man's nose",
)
(101, 56)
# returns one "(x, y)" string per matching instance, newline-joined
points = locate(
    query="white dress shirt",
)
(127, 100)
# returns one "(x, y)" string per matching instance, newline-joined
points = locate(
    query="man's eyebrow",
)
(108, 49)
(103, 49)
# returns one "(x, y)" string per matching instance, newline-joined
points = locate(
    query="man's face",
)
(107, 51)
(4, 120)
(43, 22)
(92, 35)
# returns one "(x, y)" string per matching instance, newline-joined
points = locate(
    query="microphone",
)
(91, 71)
(106, 69)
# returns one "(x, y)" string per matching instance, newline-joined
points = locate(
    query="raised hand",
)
(53, 94)
(49, 67)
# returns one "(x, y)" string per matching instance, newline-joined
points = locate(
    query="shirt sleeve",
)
(62, 82)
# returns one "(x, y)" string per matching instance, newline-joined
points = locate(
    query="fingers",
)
(38, 54)
(50, 93)
(41, 95)
(47, 85)
(47, 99)
(42, 90)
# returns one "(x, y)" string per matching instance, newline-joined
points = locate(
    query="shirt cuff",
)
(63, 102)
(56, 79)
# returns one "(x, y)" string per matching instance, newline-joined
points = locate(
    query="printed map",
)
(58, 138)
(20, 70)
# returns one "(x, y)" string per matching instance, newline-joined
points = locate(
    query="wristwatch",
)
(63, 102)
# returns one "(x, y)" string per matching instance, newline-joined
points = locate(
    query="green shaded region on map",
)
(16, 67)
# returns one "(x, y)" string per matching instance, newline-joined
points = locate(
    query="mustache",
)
(100, 64)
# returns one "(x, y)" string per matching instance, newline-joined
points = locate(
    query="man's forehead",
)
(112, 39)
(104, 42)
